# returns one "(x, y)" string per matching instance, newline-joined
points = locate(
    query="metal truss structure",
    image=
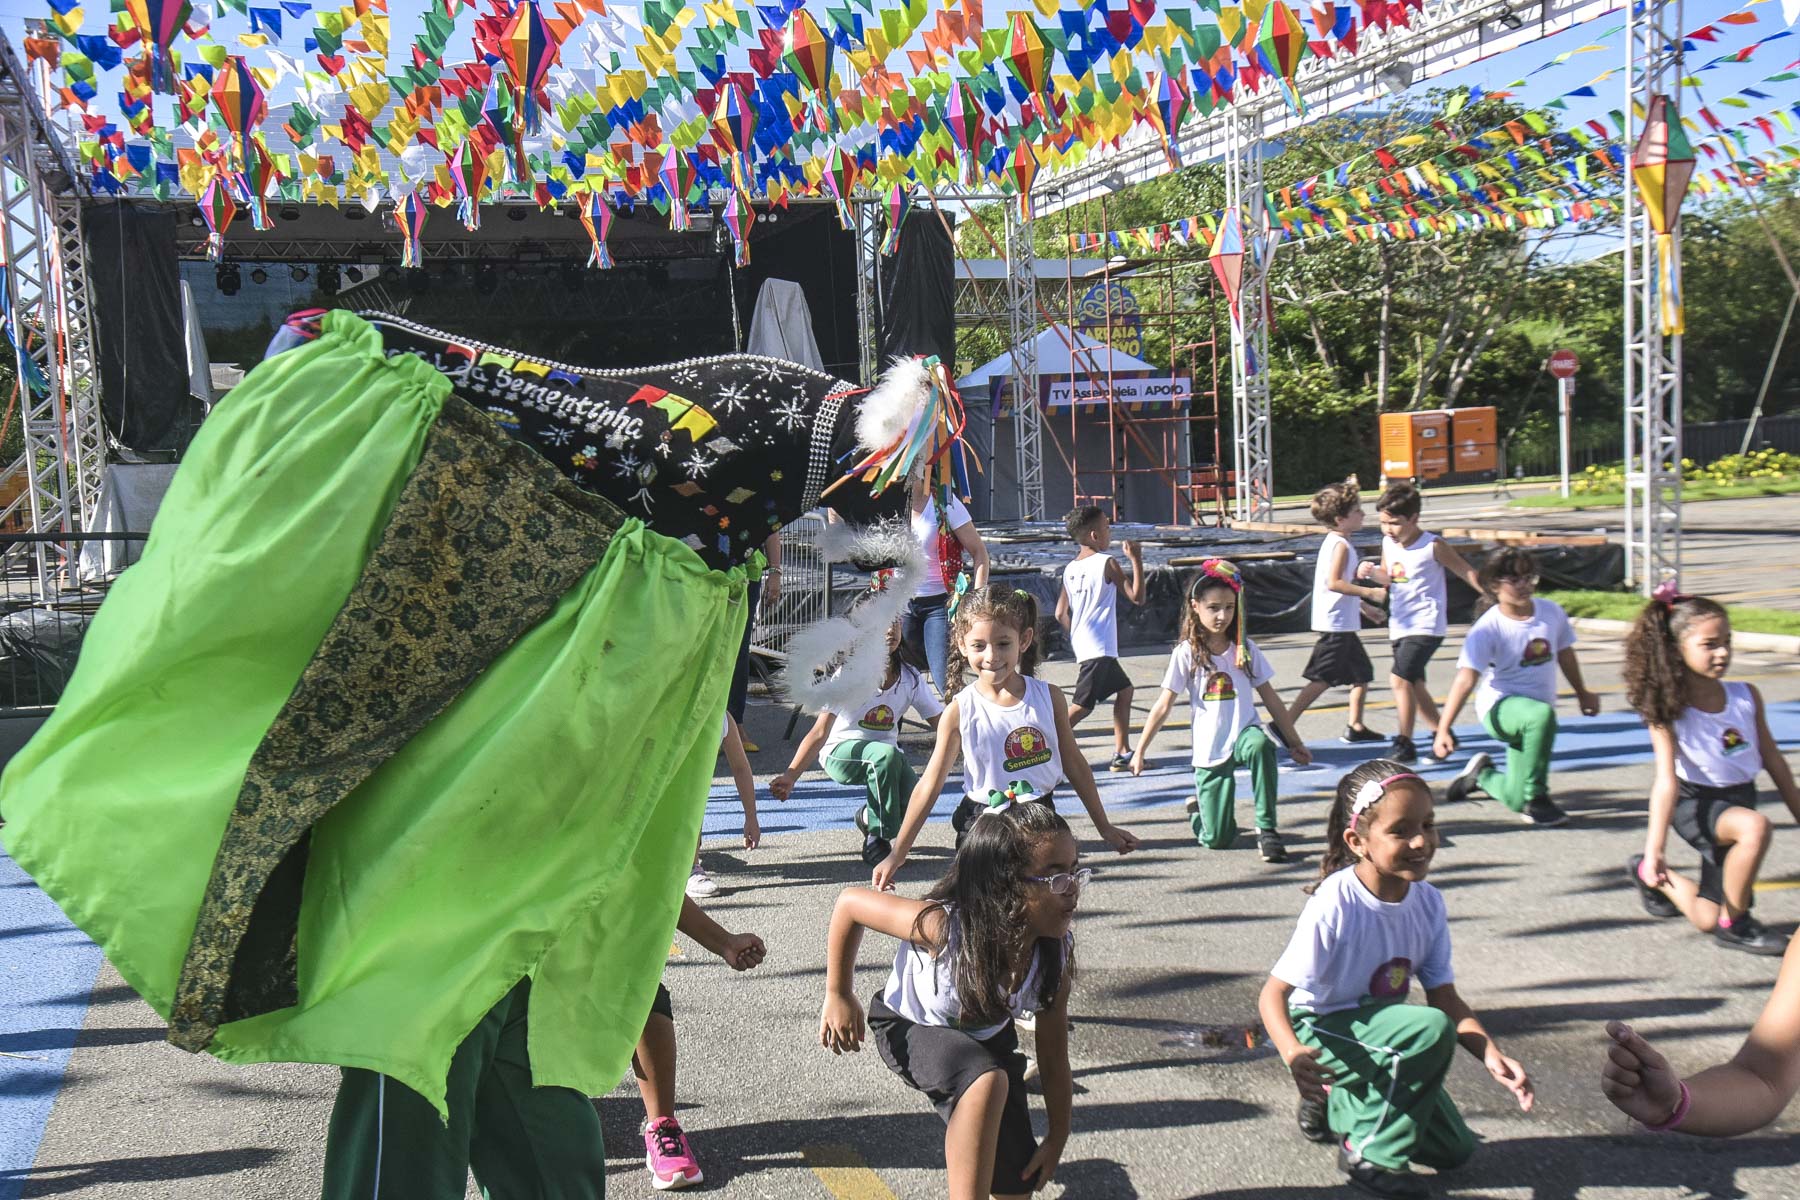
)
(1253, 496)
(1652, 359)
(868, 290)
(1022, 328)
(50, 297)
(350, 251)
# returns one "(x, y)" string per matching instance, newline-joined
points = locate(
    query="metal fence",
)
(50, 587)
(1701, 441)
(805, 594)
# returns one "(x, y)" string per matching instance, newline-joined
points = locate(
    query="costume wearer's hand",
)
(1590, 703)
(1122, 840)
(1637, 1079)
(841, 1025)
(1509, 1074)
(782, 786)
(743, 951)
(882, 877)
(771, 590)
(752, 833)
(1310, 1075)
(1042, 1167)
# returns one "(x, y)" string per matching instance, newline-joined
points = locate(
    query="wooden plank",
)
(1510, 537)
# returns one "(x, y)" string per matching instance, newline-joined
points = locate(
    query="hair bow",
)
(1001, 799)
(1667, 594)
(1374, 790)
(1223, 571)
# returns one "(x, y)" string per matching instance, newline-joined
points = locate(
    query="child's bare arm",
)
(1588, 701)
(1159, 712)
(1081, 778)
(924, 795)
(1773, 761)
(1340, 554)
(782, 786)
(1278, 713)
(1062, 607)
(1455, 564)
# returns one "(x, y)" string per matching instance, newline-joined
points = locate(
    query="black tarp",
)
(136, 284)
(918, 285)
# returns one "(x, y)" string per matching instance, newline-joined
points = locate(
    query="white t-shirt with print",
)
(1001, 743)
(1222, 696)
(1093, 608)
(1517, 658)
(1418, 598)
(877, 719)
(1334, 611)
(925, 530)
(1720, 749)
(1352, 948)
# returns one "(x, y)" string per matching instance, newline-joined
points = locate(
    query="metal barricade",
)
(51, 584)
(805, 596)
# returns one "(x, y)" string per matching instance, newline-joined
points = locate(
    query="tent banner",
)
(1090, 392)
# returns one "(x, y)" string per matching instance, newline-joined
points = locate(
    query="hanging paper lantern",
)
(597, 217)
(734, 132)
(259, 172)
(529, 48)
(738, 216)
(241, 102)
(1023, 170)
(1026, 59)
(217, 209)
(1662, 164)
(409, 217)
(677, 176)
(840, 181)
(808, 53)
(1227, 257)
(468, 176)
(501, 125)
(899, 204)
(157, 22)
(1172, 106)
(962, 113)
(1281, 46)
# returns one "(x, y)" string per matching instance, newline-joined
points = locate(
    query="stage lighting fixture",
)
(353, 274)
(298, 274)
(516, 212)
(355, 212)
(1507, 19)
(290, 213)
(329, 279)
(229, 278)
(197, 221)
(259, 276)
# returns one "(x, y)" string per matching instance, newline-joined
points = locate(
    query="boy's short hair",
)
(1401, 500)
(1082, 519)
(1334, 501)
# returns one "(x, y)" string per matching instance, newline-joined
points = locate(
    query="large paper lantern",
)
(468, 176)
(409, 217)
(962, 113)
(597, 217)
(529, 49)
(218, 210)
(808, 54)
(1662, 164)
(1281, 45)
(241, 103)
(840, 181)
(734, 132)
(157, 22)
(677, 177)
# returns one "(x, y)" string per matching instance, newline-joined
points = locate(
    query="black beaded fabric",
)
(716, 452)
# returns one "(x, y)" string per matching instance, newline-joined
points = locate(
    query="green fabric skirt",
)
(389, 716)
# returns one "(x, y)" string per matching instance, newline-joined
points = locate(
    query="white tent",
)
(1061, 351)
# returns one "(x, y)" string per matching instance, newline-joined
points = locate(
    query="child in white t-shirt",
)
(861, 745)
(1218, 679)
(1513, 650)
(1370, 1067)
(1088, 608)
(1340, 598)
(1414, 566)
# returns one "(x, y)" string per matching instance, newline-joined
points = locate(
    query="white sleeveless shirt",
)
(1333, 612)
(1719, 749)
(1093, 608)
(1416, 591)
(1001, 744)
(922, 988)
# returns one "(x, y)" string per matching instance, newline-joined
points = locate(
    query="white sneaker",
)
(700, 885)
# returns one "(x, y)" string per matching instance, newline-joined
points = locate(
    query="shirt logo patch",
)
(1537, 653)
(1732, 742)
(1397, 573)
(880, 719)
(1219, 687)
(1026, 747)
(1391, 979)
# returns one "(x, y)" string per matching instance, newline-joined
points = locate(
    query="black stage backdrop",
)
(918, 282)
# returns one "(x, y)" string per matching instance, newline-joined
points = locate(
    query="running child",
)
(1339, 600)
(1011, 730)
(1711, 738)
(667, 1154)
(990, 943)
(700, 885)
(861, 744)
(1369, 1066)
(1087, 607)
(1414, 566)
(1218, 678)
(1513, 650)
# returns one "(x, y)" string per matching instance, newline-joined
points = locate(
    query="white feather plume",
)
(887, 411)
(841, 661)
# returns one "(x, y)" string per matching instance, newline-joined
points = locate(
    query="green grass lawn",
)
(1625, 606)
(1786, 486)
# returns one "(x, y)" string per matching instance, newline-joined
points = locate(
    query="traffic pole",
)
(1564, 389)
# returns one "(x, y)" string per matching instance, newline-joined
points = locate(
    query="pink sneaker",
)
(667, 1154)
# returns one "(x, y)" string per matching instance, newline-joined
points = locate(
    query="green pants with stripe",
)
(884, 771)
(1215, 820)
(523, 1143)
(1527, 728)
(1388, 1063)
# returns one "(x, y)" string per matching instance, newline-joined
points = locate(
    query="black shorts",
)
(969, 808)
(1100, 679)
(1697, 810)
(662, 1003)
(1412, 655)
(1339, 660)
(944, 1063)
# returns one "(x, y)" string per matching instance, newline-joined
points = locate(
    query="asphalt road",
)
(1176, 1094)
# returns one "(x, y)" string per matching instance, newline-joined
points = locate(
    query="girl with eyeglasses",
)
(1370, 1067)
(1514, 651)
(989, 944)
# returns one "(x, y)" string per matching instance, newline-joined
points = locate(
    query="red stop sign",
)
(1564, 364)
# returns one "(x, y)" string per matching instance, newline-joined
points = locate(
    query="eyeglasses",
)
(1065, 882)
(1520, 580)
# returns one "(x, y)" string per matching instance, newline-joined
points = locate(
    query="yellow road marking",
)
(1777, 885)
(842, 1172)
